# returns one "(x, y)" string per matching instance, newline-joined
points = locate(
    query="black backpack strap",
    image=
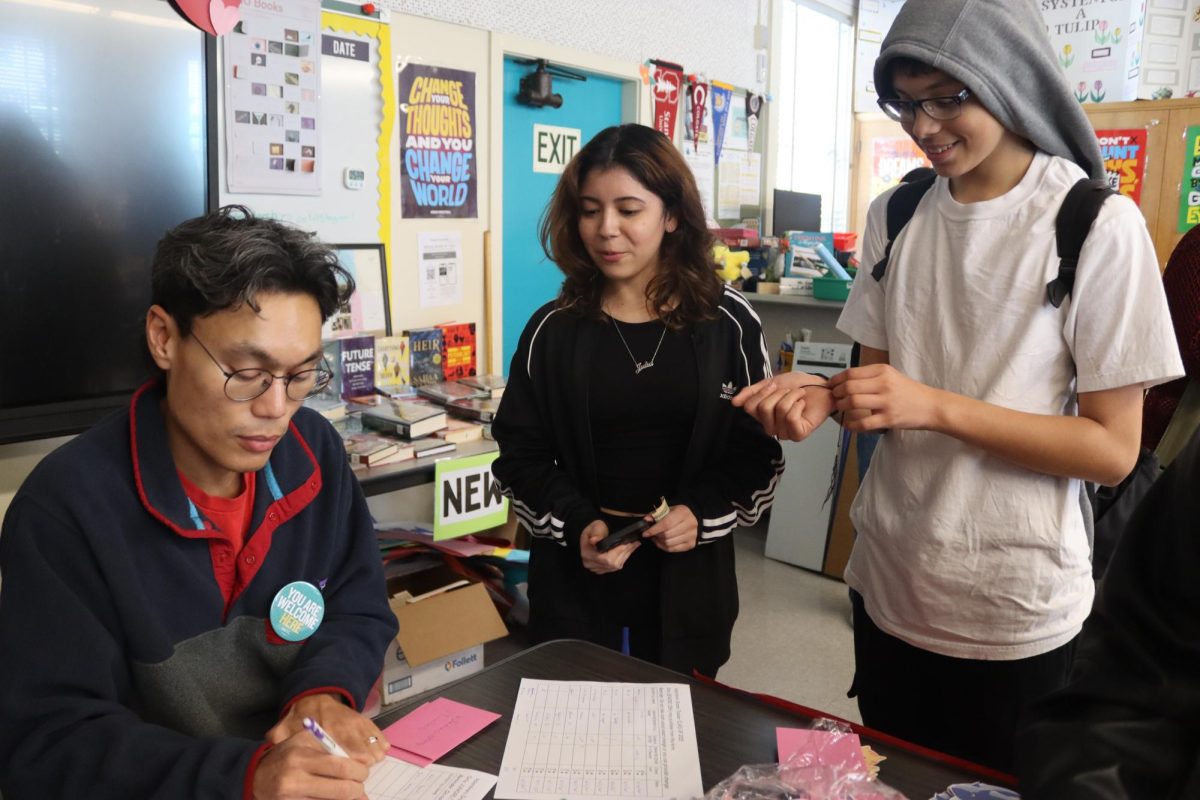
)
(1075, 217)
(900, 209)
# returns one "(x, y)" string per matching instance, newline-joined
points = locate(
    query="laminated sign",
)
(466, 497)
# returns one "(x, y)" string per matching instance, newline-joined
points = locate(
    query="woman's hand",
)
(602, 563)
(676, 532)
(785, 407)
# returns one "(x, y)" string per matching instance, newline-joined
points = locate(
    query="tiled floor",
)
(792, 639)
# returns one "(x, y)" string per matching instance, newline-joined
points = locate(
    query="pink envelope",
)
(825, 748)
(434, 729)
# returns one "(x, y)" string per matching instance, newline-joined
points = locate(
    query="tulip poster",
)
(438, 166)
(1124, 154)
(1097, 45)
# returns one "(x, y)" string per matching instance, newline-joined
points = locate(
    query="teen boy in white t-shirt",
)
(971, 568)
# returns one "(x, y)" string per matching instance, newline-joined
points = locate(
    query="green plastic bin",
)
(831, 288)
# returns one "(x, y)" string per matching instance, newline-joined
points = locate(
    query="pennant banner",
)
(722, 94)
(754, 104)
(698, 99)
(667, 81)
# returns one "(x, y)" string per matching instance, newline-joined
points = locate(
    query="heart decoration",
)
(223, 17)
(211, 16)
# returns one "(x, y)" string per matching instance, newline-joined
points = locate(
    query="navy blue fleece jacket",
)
(137, 655)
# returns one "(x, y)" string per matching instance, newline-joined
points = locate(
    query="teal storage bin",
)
(828, 288)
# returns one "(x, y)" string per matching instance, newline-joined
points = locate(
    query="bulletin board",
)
(734, 190)
(357, 110)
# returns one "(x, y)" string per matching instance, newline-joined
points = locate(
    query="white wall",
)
(711, 36)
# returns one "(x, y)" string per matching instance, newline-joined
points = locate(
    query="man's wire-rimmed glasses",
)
(939, 108)
(242, 385)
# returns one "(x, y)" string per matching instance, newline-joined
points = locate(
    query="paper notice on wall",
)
(439, 256)
(751, 181)
(875, 18)
(729, 185)
(272, 64)
(700, 158)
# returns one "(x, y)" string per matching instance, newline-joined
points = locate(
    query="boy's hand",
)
(879, 396)
(602, 563)
(784, 407)
(676, 532)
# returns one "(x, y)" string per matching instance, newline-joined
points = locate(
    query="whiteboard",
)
(351, 113)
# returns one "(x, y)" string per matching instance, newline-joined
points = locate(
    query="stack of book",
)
(493, 385)
(475, 399)
(478, 409)
(331, 407)
(412, 421)
(459, 431)
(373, 450)
(405, 418)
(444, 392)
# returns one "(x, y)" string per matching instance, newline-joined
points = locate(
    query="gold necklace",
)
(638, 366)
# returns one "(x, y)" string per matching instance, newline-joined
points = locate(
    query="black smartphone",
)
(630, 533)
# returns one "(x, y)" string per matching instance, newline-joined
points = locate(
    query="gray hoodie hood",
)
(1000, 50)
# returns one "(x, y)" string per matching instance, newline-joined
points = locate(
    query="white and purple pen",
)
(324, 738)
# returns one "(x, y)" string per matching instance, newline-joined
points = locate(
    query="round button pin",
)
(297, 611)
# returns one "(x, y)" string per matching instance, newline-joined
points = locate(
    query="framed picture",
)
(368, 311)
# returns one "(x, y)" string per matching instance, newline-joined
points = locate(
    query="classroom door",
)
(530, 279)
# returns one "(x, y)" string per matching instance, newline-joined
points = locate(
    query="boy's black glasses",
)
(242, 385)
(939, 108)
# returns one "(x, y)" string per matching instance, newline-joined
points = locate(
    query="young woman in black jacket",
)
(619, 394)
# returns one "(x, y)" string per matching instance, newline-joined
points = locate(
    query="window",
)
(816, 94)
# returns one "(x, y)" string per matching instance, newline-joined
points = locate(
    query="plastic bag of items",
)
(830, 765)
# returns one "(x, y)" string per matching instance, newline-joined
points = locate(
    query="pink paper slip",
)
(434, 729)
(824, 748)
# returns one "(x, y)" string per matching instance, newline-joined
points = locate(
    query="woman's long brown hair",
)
(686, 288)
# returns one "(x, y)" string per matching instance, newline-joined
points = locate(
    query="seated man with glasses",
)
(188, 581)
(971, 567)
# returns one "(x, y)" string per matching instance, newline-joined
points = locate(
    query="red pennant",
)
(698, 100)
(667, 82)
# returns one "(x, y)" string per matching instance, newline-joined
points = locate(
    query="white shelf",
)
(794, 300)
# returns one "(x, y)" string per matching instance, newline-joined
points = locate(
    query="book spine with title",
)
(425, 347)
(458, 350)
(392, 364)
(357, 362)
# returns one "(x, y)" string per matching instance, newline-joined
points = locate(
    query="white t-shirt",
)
(960, 552)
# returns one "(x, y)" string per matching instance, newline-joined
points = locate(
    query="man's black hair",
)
(224, 259)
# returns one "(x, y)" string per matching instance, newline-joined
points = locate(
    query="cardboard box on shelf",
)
(441, 638)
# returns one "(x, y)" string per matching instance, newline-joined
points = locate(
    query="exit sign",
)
(553, 147)
(466, 498)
